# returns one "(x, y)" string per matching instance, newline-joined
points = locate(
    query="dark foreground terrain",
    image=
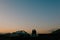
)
(22, 35)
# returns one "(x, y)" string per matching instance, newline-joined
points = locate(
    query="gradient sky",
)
(23, 14)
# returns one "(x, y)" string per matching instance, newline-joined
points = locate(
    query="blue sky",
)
(23, 14)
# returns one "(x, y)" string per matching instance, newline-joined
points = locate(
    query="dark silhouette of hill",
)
(22, 35)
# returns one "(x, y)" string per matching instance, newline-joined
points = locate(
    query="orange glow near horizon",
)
(6, 28)
(25, 29)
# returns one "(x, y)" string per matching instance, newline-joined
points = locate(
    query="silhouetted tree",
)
(56, 32)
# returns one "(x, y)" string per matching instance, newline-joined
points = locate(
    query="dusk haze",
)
(42, 15)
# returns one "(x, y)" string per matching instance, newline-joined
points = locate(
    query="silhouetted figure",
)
(34, 31)
(34, 34)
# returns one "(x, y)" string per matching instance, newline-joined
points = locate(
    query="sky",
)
(42, 15)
